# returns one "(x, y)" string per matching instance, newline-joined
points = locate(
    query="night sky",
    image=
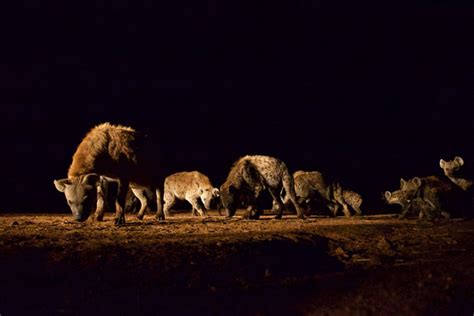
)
(366, 91)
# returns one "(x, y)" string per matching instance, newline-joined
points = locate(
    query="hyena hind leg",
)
(141, 195)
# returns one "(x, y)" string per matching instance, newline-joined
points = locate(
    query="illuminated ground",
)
(369, 265)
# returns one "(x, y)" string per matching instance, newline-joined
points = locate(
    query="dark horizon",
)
(367, 92)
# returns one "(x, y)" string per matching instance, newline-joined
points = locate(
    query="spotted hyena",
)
(444, 198)
(110, 152)
(452, 168)
(408, 206)
(312, 189)
(194, 187)
(255, 173)
(347, 199)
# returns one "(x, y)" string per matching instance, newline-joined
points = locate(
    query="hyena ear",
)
(61, 184)
(215, 192)
(442, 163)
(402, 182)
(459, 161)
(388, 194)
(91, 179)
(417, 181)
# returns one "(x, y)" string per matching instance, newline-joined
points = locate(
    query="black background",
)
(368, 91)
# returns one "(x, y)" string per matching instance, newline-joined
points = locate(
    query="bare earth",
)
(373, 265)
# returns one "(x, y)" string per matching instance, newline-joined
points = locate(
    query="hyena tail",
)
(289, 186)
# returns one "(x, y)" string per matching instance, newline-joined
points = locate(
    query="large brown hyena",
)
(451, 170)
(254, 173)
(110, 152)
(192, 186)
(312, 189)
(444, 197)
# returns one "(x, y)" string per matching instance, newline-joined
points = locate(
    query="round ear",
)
(91, 179)
(61, 184)
(417, 181)
(402, 182)
(442, 163)
(215, 192)
(388, 195)
(459, 161)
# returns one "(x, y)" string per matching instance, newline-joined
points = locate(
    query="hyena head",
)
(81, 194)
(207, 195)
(451, 167)
(396, 197)
(229, 199)
(410, 188)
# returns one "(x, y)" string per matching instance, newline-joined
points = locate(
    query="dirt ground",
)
(372, 265)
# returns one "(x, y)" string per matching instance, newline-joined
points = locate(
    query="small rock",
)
(384, 245)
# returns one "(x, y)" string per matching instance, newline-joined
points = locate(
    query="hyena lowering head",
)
(256, 172)
(194, 187)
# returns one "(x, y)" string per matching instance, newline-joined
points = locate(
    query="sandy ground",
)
(372, 265)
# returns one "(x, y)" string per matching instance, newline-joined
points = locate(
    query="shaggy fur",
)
(115, 152)
(192, 186)
(256, 173)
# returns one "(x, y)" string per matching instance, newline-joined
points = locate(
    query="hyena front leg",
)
(197, 204)
(120, 203)
(141, 195)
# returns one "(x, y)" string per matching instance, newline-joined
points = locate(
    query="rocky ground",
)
(372, 265)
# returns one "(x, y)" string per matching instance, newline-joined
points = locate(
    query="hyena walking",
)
(110, 152)
(312, 188)
(255, 173)
(192, 186)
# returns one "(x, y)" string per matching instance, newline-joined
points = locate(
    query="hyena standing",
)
(311, 187)
(254, 173)
(116, 152)
(192, 186)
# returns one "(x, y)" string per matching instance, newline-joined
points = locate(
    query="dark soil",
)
(373, 265)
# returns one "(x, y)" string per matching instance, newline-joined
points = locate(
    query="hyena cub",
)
(253, 174)
(194, 187)
(348, 199)
(451, 170)
(311, 188)
(408, 206)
